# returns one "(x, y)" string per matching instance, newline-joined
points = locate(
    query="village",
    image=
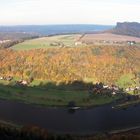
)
(129, 96)
(10, 78)
(105, 42)
(106, 39)
(95, 42)
(97, 89)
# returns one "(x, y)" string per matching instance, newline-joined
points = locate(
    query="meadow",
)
(71, 39)
(45, 42)
(51, 95)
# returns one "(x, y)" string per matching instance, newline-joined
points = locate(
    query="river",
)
(60, 120)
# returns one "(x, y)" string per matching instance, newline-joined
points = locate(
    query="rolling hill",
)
(109, 64)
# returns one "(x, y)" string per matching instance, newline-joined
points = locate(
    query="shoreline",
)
(79, 134)
(53, 106)
(119, 131)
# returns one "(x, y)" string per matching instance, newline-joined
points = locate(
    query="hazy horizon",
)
(64, 12)
(59, 24)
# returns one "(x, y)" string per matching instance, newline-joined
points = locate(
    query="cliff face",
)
(127, 28)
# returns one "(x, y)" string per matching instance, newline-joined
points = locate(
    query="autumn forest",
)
(106, 64)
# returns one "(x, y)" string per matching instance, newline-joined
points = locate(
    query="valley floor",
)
(53, 97)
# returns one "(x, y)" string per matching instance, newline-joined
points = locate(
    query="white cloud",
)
(68, 11)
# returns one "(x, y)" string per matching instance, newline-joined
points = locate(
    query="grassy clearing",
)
(126, 81)
(44, 42)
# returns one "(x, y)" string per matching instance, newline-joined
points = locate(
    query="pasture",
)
(46, 42)
(109, 37)
(71, 40)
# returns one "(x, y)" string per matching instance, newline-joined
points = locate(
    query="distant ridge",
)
(56, 29)
(127, 28)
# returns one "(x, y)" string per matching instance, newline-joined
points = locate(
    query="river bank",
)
(8, 130)
(53, 97)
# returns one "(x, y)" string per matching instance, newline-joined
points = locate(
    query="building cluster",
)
(9, 78)
(100, 88)
(135, 90)
(129, 42)
(57, 44)
(22, 82)
(4, 41)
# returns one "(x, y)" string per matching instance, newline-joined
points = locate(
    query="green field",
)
(51, 95)
(45, 42)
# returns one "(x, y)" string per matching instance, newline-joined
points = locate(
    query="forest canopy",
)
(94, 63)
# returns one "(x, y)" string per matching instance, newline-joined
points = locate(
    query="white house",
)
(105, 86)
(113, 93)
(1, 78)
(78, 43)
(24, 82)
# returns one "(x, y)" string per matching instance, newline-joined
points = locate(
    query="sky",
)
(41, 12)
